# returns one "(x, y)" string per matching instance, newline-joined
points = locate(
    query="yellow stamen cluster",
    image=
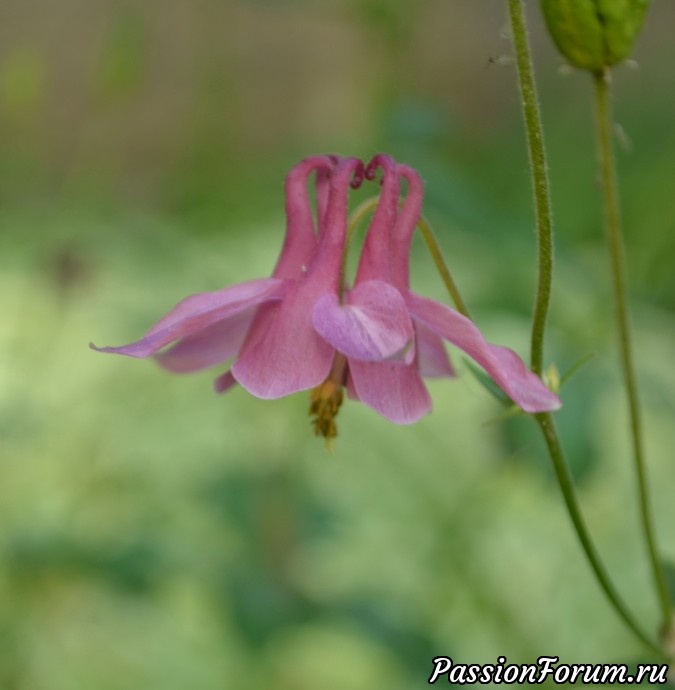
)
(324, 405)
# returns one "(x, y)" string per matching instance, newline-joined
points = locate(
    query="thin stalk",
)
(441, 266)
(544, 216)
(603, 112)
(540, 184)
(545, 422)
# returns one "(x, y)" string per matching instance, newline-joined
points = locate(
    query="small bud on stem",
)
(594, 34)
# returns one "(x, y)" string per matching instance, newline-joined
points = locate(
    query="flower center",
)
(325, 400)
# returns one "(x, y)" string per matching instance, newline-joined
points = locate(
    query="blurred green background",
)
(156, 536)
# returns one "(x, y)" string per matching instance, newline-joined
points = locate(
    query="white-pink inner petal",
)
(373, 324)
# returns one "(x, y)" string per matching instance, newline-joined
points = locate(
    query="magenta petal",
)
(209, 346)
(503, 365)
(372, 325)
(230, 299)
(198, 312)
(432, 359)
(224, 382)
(524, 387)
(289, 356)
(396, 391)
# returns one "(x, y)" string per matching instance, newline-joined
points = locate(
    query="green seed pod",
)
(594, 34)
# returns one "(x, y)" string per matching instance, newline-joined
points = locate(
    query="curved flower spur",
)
(266, 324)
(395, 389)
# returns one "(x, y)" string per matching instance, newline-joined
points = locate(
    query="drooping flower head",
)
(266, 325)
(292, 354)
(306, 328)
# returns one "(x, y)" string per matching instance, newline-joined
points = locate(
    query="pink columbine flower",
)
(266, 325)
(396, 389)
(304, 328)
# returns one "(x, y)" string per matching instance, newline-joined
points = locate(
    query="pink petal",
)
(396, 391)
(209, 346)
(289, 356)
(263, 317)
(502, 364)
(373, 324)
(432, 359)
(224, 382)
(198, 312)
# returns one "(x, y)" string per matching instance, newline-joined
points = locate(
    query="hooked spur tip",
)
(358, 176)
(300, 172)
(380, 160)
(411, 176)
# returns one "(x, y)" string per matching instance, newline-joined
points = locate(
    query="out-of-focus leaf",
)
(574, 369)
(135, 567)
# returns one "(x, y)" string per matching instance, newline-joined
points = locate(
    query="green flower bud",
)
(594, 34)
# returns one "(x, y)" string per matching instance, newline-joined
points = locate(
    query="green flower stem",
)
(545, 422)
(542, 197)
(544, 216)
(603, 112)
(441, 266)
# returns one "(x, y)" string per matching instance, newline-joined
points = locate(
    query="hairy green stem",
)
(545, 422)
(540, 184)
(544, 216)
(603, 112)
